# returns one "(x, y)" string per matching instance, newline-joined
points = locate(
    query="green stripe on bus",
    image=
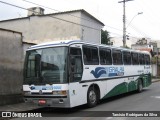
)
(127, 87)
(119, 89)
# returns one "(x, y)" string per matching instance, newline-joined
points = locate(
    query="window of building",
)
(117, 57)
(90, 55)
(105, 56)
(126, 58)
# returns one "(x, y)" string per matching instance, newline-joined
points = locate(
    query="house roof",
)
(80, 10)
(29, 43)
(10, 31)
(145, 49)
(65, 12)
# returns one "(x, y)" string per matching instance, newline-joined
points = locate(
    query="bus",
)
(70, 73)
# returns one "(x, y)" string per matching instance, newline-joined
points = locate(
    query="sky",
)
(110, 12)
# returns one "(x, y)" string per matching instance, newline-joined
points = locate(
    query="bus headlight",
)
(64, 92)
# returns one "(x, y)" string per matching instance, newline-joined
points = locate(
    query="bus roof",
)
(69, 42)
(55, 43)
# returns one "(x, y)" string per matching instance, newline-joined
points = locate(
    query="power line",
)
(60, 18)
(115, 33)
(114, 28)
(50, 16)
(68, 14)
(139, 31)
(55, 10)
(148, 10)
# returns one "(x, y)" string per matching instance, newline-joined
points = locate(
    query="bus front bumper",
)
(49, 101)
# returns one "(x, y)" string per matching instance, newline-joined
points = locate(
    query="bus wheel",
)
(140, 87)
(92, 97)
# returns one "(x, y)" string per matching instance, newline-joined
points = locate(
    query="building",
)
(11, 65)
(151, 47)
(144, 45)
(38, 27)
(118, 41)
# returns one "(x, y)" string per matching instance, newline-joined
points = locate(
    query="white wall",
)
(154, 69)
(118, 41)
(89, 34)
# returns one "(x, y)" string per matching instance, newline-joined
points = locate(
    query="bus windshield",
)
(46, 66)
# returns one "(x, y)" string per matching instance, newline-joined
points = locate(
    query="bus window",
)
(141, 59)
(105, 56)
(90, 55)
(126, 58)
(135, 60)
(117, 57)
(33, 67)
(147, 59)
(76, 64)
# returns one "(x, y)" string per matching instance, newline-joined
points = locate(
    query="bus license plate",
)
(42, 102)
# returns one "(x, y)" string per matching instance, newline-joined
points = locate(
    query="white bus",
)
(71, 73)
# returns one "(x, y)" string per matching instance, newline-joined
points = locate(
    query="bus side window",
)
(76, 67)
(141, 59)
(147, 59)
(105, 56)
(117, 57)
(90, 55)
(135, 60)
(126, 58)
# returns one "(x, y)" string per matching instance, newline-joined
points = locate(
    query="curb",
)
(155, 81)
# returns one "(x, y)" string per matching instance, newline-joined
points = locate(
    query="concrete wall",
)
(92, 34)
(11, 77)
(39, 29)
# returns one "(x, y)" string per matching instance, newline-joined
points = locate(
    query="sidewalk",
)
(21, 107)
(155, 80)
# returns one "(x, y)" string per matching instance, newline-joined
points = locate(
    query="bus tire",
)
(140, 87)
(92, 97)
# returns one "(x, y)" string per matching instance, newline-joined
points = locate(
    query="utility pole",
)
(124, 20)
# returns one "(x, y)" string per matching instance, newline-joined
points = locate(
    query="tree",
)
(105, 37)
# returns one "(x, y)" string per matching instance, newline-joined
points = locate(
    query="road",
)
(148, 100)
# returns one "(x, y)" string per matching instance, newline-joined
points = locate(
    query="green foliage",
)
(105, 37)
(127, 47)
